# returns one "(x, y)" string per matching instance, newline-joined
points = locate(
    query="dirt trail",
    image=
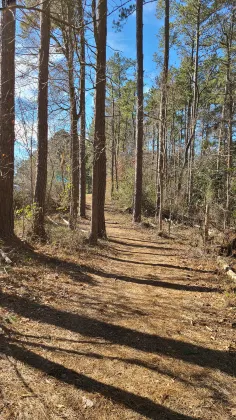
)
(140, 328)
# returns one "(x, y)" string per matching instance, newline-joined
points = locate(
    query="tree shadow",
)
(73, 270)
(22, 339)
(25, 252)
(154, 254)
(129, 400)
(177, 267)
(140, 240)
(116, 334)
(165, 284)
(82, 273)
(108, 222)
(96, 302)
(155, 282)
(116, 241)
(217, 394)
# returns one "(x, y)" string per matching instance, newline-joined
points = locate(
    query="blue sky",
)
(125, 41)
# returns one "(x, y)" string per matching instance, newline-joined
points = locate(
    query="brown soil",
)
(141, 327)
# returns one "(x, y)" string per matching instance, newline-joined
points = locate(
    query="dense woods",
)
(166, 150)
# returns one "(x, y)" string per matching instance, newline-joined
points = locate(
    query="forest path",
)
(138, 328)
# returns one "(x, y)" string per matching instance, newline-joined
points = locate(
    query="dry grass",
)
(139, 328)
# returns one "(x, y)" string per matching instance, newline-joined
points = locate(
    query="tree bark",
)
(98, 227)
(139, 115)
(74, 196)
(82, 117)
(74, 199)
(113, 151)
(7, 116)
(163, 115)
(42, 152)
(230, 120)
(194, 106)
(222, 127)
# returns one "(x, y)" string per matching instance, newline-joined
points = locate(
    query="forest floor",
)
(140, 327)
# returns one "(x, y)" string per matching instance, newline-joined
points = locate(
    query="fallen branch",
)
(65, 221)
(52, 221)
(226, 267)
(5, 257)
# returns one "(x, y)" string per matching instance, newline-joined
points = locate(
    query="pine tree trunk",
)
(7, 126)
(206, 225)
(74, 199)
(70, 48)
(98, 228)
(82, 118)
(222, 128)
(139, 115)
(194, 107)
(118, 137)
(229, 159)
(162, 125)
(116, 168)
(230, 119)
(112, 146)
(42, 152)
(192, 117)
(74, 156)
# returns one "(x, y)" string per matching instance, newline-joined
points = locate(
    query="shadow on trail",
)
(82, 273)
(26, 253)
(22, 339)
(138, 404)
(116, 241)
(90, 327)
(153, 254)
(76, 272)
(177, 267)
(138, 240)
(165, 284)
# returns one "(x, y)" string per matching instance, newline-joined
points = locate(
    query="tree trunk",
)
(194, 106)
(229, 159)
(7, 127)
(112, 145)
(118, 136)
(42, 152)
(163, 112)
(74, 199)
(206, 225)
(230, 119)
(82, 117)
(98, 228)
(139, 115)
(74, 155)
(222, 127)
